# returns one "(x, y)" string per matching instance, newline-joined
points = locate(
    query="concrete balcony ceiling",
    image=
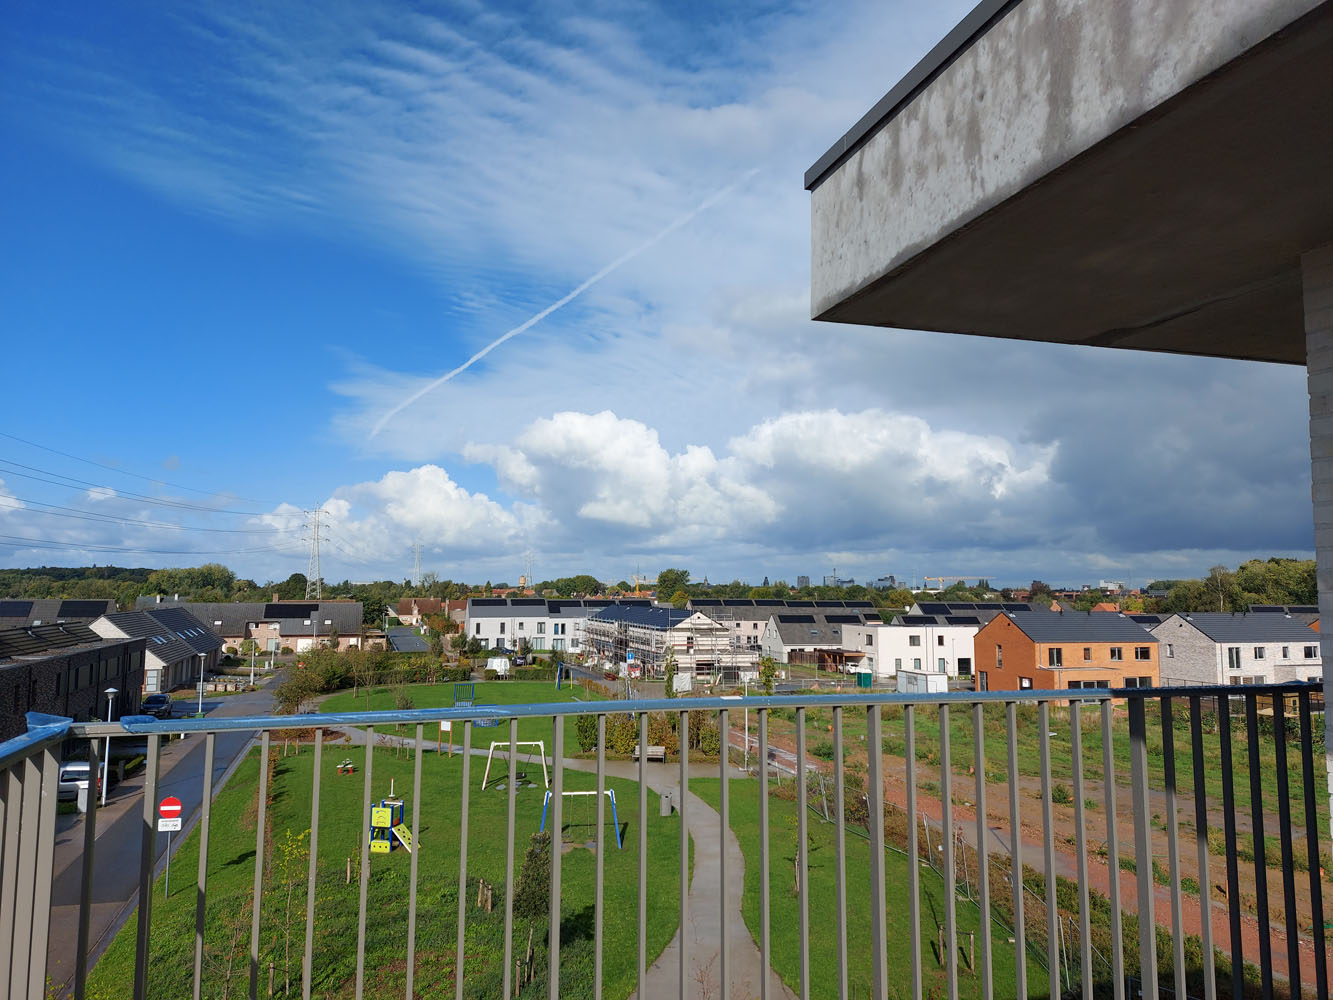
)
(1140, 174)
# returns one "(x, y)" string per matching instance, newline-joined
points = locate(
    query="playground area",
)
(436, 850)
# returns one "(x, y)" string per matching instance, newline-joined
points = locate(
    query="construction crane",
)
(956, 579)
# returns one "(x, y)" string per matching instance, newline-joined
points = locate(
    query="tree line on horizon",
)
(1275, 580)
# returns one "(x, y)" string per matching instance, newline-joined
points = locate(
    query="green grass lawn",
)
(231, 874)
(785, 917)
(378, 698)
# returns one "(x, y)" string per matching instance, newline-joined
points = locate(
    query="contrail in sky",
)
(528, 324)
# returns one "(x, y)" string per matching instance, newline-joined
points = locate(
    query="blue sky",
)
(237, 240)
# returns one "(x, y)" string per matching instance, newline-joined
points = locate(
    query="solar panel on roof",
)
(988, 606)
(800, 604)
(934, 608)
(707, 602)
(285, 610)
(844, 619)
(918, 619)
(828, 604)
(859, 604)
(527, 602)
(1305, 609)
(1014, 607)
(737, 602)
(487, 602)
(82, 609)
(767, 602)
(15, 609)
(1267, 608)
(1147, 619)
(963, 620)
(797, 619)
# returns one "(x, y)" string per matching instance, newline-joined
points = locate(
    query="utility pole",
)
(416, 565)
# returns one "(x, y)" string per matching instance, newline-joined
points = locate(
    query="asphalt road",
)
(119, 831)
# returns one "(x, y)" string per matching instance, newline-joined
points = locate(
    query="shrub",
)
(710, 740)
(585, 728)
(490, 674)
(1062, 795)
(457, 674)
(230, 650)
(621, 733)
(662, 733)
(823, 750)
(286, 650)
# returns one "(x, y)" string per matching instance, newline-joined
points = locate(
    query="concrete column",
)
(1317, 286)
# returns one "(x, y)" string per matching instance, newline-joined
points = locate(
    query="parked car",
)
(500, 664)
(158, 706)
(73, 776)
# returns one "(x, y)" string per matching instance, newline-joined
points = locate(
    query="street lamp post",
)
(106, 758)
(253, 646)
(201, 683)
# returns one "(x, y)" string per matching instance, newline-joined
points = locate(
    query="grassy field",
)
(378, 698)
(785, 925)
(819, 722)
(231, 874)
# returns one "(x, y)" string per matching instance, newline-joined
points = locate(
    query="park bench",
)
(654, 753)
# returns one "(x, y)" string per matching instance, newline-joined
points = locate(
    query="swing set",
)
(610, 794)
(546, 777)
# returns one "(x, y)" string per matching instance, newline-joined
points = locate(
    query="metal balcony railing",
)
(897, 728)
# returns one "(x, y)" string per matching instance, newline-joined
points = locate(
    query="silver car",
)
(73, 776)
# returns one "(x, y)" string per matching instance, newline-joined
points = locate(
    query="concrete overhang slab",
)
(1137, 174)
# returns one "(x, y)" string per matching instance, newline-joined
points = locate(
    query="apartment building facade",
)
(1019, 651)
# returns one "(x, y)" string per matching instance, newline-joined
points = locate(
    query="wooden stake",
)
(349, 871)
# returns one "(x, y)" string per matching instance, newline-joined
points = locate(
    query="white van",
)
(500, 664)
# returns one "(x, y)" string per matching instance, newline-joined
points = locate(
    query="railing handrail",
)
(146, 725)
(43, 730)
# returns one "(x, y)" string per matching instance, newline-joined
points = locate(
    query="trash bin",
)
(864, 678)
(83, 798)
(666, 804)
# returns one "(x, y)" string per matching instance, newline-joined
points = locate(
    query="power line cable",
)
(50, 543)
(70, 481)
(96, 517)
(125, 472)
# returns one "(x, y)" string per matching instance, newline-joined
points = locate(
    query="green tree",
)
(768, 672)
(669, 670)
(671, 581)
(532, 890)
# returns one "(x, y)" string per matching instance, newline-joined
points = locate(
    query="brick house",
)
(1019, 651)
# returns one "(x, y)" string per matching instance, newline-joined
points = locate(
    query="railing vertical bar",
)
(557, 834)
(1201, 847)
(1229, 831)
(1173, 846)
(840, 845)
(1048, 849)
(983, 853)
(365, 866)
(1081, 845)
(1257, 828)
(412, 865)
(601, 857)
(511, 792)
(643, 851)
(11, 811)
(949, 835)
(724, 832)
(802, 858)
(1113, 850)
(1290, 920)
(308, 956)
(148, 841)
(1015, 854)
(1138, 759)
(764, 913)
(913, 852)
(684, 933)
(1312, 841)
(26, 869)
(46, 840)
(86, 882)
(875, 808)
(464, 798)
(201, 884)
(258, 897)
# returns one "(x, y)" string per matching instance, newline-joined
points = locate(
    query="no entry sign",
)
(170, 811)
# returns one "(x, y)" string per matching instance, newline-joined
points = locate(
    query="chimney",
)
(275, 597)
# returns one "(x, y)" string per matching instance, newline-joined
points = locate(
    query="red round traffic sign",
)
(170, 807)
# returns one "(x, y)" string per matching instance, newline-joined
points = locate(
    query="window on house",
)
(939, 640)
(478, 632)
(916, 663)
(1170, 650)
(1074, 685)
(1233, 657)
(541, 628)
(1258, 652)
(1143, 652)
(306, 622)
(870, 639)
(1025, 683)
(1286, 652)
(502, 628)
(520, 626)
(999, 657)
(1055, 657)
(1117, 653)
(983, 682)
(943, 666)
(1087, 653)
(898, 663)
(1311, 652)
(914, 640)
